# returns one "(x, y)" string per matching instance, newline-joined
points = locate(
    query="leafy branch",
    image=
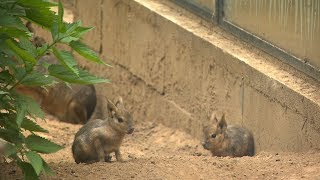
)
(19, 58)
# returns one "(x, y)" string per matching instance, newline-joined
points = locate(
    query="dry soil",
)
(154, 151)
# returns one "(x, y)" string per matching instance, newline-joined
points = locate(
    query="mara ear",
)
(222, 124)
(213, 118)
(111, 108)
(29, 26)
(119, 102)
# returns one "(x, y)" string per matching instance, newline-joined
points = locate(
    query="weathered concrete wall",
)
(177, 71)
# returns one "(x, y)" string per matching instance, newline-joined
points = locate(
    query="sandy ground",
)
(154, 151)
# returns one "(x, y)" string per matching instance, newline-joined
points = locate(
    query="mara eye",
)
(213, 135)
(120, 120)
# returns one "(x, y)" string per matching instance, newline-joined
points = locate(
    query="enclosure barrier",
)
(288, 29)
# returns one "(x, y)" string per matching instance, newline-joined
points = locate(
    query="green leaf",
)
(20, 52)
(80, 31)
(5, 76)
(26, 104)
(26, 44)
(68, 39)
(6, 60)
(84, 77)
(14, 32)
(29, 66)
(41, 16)
(11, 135)
(67, 60)
(7, 120)
(6, 103)
(21, 113)
(33, 108)
(15, 10)
(8, 20)
(75, 35)
(36, 161)
(42, 49)
(19, 72)
(60, 15)
(37, 79)
(11, 150)
(36, 3)
(3, 92)
(41, 145)
(28, 171)
(46, 169)
(55, 31)
(70, 27)
(86, 52)
(30, 125)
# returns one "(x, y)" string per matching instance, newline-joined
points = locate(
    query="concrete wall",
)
(173, 68)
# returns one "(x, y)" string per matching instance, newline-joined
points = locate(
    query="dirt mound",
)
(154, 151)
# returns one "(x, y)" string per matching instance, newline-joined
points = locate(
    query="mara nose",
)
(130, 131)
(204, 144)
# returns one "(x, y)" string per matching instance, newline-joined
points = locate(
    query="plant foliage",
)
(18, 59)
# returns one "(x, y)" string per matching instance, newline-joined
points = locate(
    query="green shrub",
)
(18, 59)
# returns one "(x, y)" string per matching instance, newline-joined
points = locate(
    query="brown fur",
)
(74, 104)
(98, 138)
(228, 140)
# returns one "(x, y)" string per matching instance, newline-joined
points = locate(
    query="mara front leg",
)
(99, 149)
(107, 158)
(118, 155)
